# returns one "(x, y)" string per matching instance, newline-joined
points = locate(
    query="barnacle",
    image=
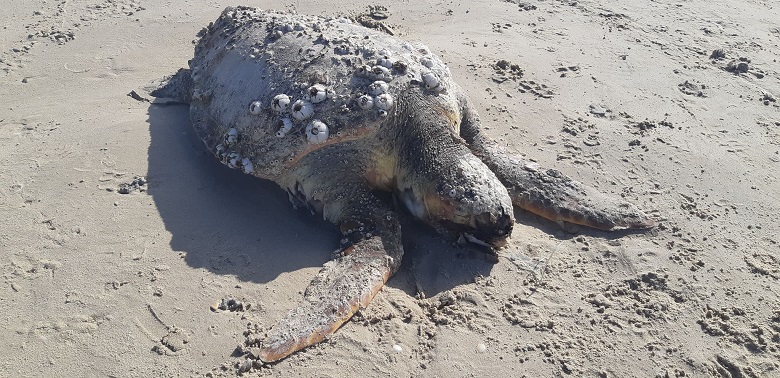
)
(381, 73)
(432, 82)
(365, 102)
(247, 165)
(384, 101)
(385, 62)
(317, 131)
(232, 136)
(280, 103)
(317, 93)
(255, 108)
(284, 126)
(378, 87)
(302, 109)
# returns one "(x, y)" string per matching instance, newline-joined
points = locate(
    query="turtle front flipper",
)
(344, 286)
(548, 192)
(372, 252)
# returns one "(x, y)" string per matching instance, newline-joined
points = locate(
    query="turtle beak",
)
(491, 228)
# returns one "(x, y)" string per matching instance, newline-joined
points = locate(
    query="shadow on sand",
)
(231, 223)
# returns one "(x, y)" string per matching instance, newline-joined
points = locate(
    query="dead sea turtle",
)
(334, 113)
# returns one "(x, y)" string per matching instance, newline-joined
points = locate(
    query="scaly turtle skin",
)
(333, 112)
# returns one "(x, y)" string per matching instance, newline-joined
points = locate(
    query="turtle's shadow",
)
(223, 220)
(231, 223)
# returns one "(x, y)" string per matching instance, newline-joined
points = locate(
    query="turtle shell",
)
(327, 68)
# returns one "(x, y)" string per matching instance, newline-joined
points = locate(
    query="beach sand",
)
(625, 96)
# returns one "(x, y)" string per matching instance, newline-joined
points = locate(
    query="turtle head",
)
(464, 197)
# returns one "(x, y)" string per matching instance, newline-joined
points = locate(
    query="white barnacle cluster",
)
(284, 25)
(299, 110)
(225, 150)
(385, 62)
(233, 159)
(384, 102)
(365, 102)
(378, 90)
(255, 108)
(232, 136)
(378, 87)
(430, 76)
(247, 165)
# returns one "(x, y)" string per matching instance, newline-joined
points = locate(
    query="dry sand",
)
(622, 95)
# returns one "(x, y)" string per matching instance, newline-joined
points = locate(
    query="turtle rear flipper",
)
(173, 89)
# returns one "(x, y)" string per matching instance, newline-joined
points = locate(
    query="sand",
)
(626, 96)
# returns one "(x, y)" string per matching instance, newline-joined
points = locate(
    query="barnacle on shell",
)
(365, 102)
(381, 73)
(284, 126)
(255, 108)
(385, 62)
(232, 159)
(384, 101)
(432, 82)
(232, 136)
(317, 93)
(317, 131)
(378, 87)
(280, 103)
(364, 70)
(247, 165)
(302, 109)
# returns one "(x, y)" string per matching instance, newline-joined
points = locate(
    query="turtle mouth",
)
(500, 243)
(494, 234)
(489, 228)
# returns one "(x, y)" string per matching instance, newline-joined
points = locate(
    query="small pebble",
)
(397, 348)
(481, 348)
